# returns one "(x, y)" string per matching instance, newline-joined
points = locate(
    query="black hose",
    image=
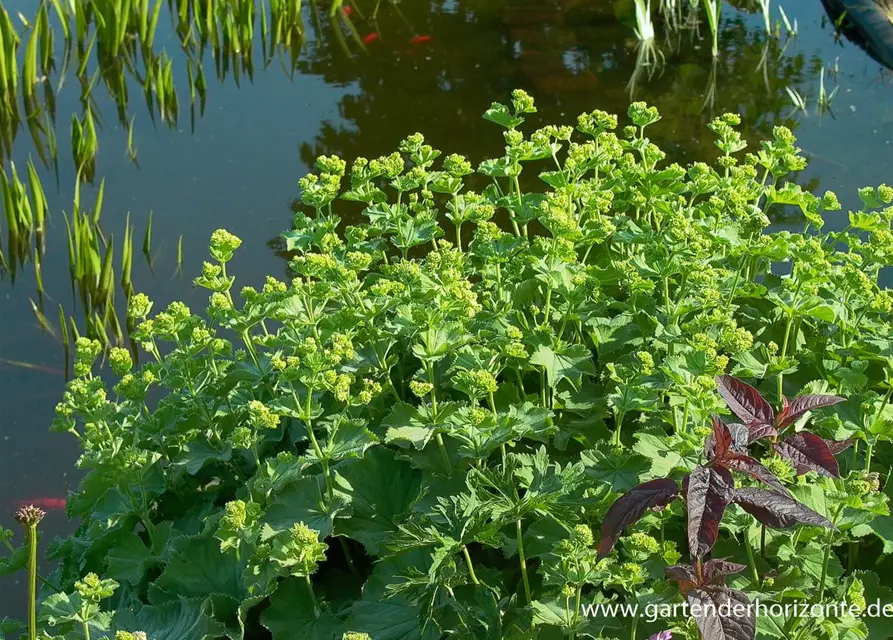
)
(866, 23)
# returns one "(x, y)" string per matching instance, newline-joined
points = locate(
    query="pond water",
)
(432, 67)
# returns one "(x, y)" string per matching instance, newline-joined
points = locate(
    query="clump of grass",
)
(825, 97)
(25, 210)
(84, 144)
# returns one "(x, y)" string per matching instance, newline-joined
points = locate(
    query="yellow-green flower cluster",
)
(92, 588)
(419, 388)
(780, 468)
(643, 543)
(331, 164)
(238, 514)
(138, 306)
(120, 360)
(260, 416)
(339, 384)
(299, 549)
(342, 348)
(370, 390)
(223, 245)
(477, 382)
(243, 438)
(646, 362)
(596, 122)
(86, 352)
(134, 386)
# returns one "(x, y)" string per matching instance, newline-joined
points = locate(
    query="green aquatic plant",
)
(825, 98)
(713, 9)
(644, 26)
(25, 210)
(416, 436)
(84, 144)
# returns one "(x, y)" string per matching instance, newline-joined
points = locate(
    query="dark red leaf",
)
(723, 614)
(791, 411)
(745, 401)
(715, 570)
(776, 510)
(808, 452)
(680, 572)
(760, 430)
(710, 490)
(839, 446)
(719, 443)
(631, 506)
(684, 574)
(748, 465)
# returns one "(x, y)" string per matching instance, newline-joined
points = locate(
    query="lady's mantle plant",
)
(416, 436)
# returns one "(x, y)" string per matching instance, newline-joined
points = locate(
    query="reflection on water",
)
(229, 122)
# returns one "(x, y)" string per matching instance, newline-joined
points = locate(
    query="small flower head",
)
(29, 515)
(662, 635)
(94, 589)
(299, 549)
(127, 635)
(419, 388)
(457, 165)
(243, 438)
(356, 635)
(138, 306)
(86, 351)
(120, 360)
(260, 416)
(477, 383)
(331, 164)
(780, 468)
(646, 362)
(642, 542)
(582, 535)
(522, 102)
(223, 245)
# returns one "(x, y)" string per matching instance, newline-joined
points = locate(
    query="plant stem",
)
(32, 583)
(567, 616)
(86, 630)
(827, 555)
(869, 449)
(443, 454)
(316, 610)
(784, 351)
(763, 541)
(543, 388)
(523, 561)
(471, 573)
(517, 187)
(752, 561)
(618, 418)
(314, 443)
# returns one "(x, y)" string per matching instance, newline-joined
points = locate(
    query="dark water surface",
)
(433, 67)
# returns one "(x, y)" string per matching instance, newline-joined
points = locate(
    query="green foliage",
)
(414, 437)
